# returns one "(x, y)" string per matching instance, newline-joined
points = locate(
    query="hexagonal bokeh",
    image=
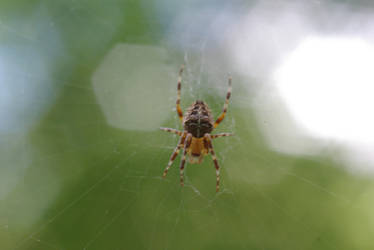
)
(132, 85)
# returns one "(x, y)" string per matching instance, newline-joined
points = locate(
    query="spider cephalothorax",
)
(196, 139)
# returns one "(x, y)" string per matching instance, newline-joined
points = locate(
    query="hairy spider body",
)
(198, 121)
(196, 139)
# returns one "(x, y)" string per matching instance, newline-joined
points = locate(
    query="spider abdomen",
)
(198, 119)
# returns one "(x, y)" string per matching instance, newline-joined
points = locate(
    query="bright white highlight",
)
(328, 85)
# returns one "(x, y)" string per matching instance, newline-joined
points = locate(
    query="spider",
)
(196, 138)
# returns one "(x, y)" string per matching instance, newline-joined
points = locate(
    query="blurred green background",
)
(86, 85)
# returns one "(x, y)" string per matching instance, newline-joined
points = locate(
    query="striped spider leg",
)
(209, 146)
(187, 145)
(221, 135)
(223, 114)
(175, 153)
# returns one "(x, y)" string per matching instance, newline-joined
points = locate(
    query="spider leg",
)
(222, 116)
(172, 130)
(175, 154)
(179, 109)
(187, 144)
(221, 135)
(208, 142)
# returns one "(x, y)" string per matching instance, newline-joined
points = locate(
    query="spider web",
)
(85, 86)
